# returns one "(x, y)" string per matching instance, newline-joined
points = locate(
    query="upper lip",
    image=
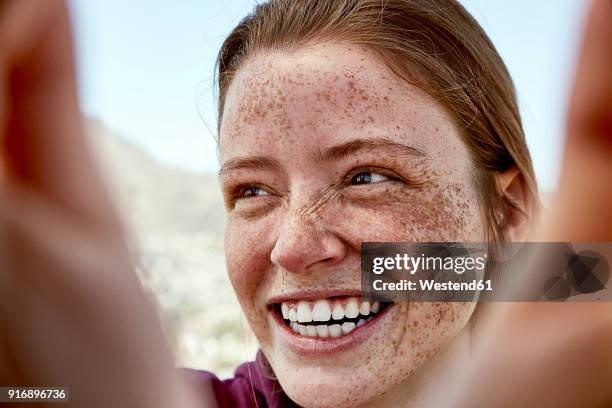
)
(312, 295)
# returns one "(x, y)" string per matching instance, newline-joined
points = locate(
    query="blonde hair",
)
(433, 44)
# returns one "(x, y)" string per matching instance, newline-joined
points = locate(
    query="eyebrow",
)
(249, 163)
(333, 153)
(346, 149)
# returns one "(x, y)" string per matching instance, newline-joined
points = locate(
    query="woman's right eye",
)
(251, 200)
(250, 191)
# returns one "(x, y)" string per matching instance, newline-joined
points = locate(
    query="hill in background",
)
(176, 219)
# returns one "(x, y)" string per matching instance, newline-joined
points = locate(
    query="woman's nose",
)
(304, 245)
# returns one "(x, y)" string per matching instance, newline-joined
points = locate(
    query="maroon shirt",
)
(250, 387)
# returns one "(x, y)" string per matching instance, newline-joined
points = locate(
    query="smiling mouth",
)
(328, 318)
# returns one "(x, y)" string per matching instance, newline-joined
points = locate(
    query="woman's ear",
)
(517, 209)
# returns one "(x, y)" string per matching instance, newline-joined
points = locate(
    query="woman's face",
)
(321, 149)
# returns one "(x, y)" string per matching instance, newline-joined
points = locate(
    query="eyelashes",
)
(369, 175)
(366, 177)
(250, 191)
(246, 191)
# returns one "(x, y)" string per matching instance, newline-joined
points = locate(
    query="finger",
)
(590, 112)
(582, 206)
(43, 144)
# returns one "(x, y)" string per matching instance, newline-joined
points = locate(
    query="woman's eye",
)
(251, 200)
(252, 191)
(368, 177)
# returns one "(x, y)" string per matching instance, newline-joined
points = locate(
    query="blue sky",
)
(146, 69)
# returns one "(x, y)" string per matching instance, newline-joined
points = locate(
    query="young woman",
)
(339, 122)
(350, 121)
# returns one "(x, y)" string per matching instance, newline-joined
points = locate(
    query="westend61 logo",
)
(446, 272)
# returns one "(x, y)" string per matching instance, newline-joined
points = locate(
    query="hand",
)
(560, 354)
(72, 310)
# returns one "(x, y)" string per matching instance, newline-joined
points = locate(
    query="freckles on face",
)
(427, 320)
(287, 139)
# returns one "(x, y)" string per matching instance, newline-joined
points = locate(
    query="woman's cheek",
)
(449, 214)
(247, 259)
(431, 325)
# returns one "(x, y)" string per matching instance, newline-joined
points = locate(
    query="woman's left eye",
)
(368, 177)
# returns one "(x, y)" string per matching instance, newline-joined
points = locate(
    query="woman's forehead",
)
(325, 94)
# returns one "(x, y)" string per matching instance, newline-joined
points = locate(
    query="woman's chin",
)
(334, 387)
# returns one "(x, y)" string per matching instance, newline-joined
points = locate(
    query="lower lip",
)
(319, 346)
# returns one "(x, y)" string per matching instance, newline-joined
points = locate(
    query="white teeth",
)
(321, 311)
(304, 314)
(285, 310)
(364, 309)
(322, 330)
(311, 331)
(338, 312)
(324, 310)
(347, 327)
(335, 330)
(352, 308)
